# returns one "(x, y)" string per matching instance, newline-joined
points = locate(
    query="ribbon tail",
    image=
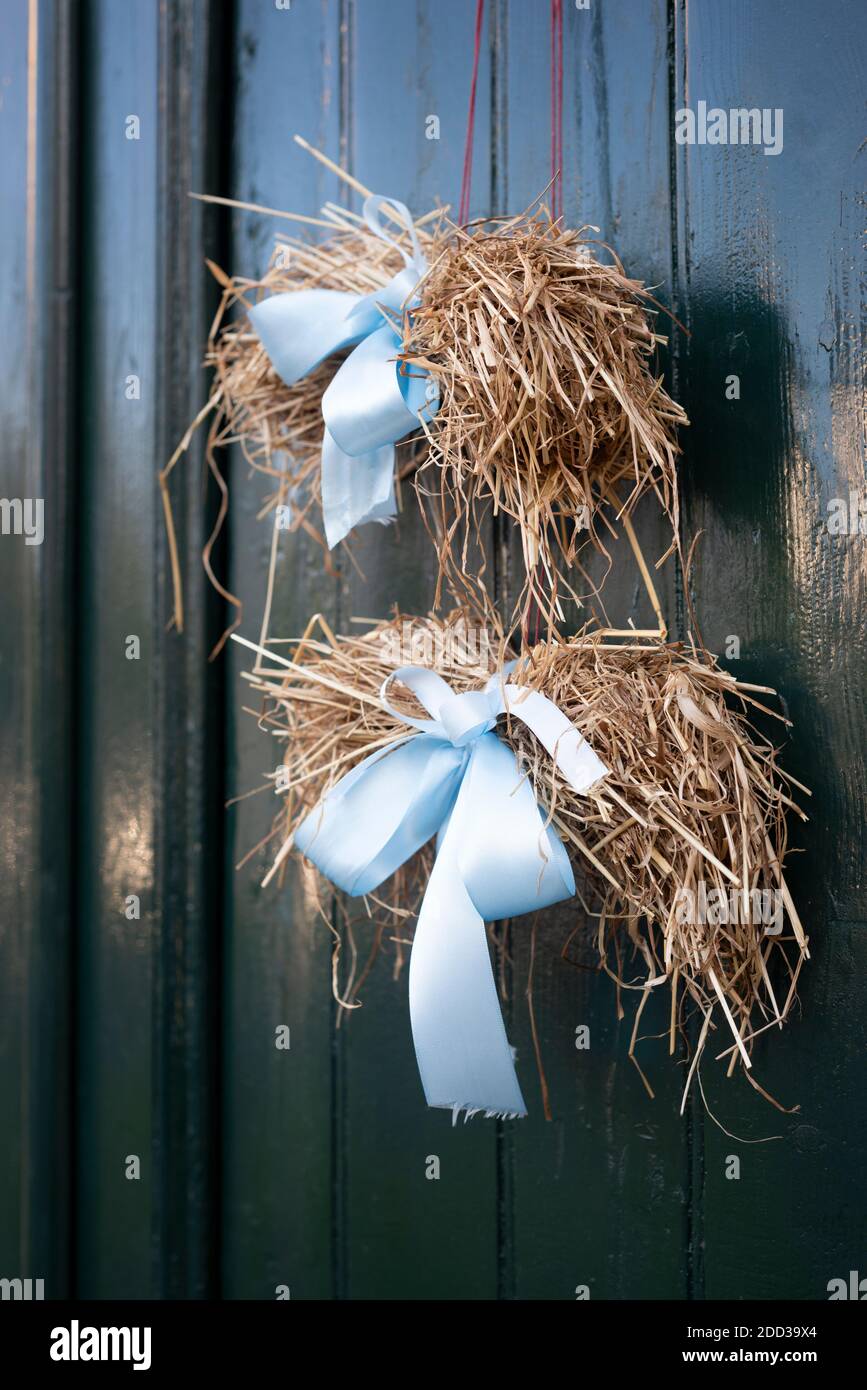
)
(496, 859)
(355, 489)
(571, 752)
(463, 1054)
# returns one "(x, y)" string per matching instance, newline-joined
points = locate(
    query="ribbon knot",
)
(460, 718)
(497, 857)
(372, 400)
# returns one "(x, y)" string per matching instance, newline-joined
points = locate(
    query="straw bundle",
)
(684, 842)
(549, 407)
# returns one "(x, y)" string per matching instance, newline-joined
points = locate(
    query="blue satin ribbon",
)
(496, 857)
(370, 403)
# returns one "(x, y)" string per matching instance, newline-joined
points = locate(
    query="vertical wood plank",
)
(409, 1236)
(194, 72)
(117, 957)
(769, 250)
(599, 1193)
(281, 1198)
(146, 1042)
(37, 122)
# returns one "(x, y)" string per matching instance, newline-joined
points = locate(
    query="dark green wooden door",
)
(151, 1036)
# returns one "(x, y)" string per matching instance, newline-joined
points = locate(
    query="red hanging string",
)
(556, 112)
(556, 199)
(464, 207)
(556, 148)
(556, 108)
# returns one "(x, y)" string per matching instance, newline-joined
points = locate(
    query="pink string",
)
(466, 184)
(556, 108)
(556, 148)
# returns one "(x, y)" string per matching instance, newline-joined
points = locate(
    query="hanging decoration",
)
(636, 762)
(511, 358)
(448, 776)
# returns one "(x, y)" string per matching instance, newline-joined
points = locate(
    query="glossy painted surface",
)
(37, 666)
(770, 282)
(155, 1037)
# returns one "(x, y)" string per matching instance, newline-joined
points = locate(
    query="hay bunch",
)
(683, 843)
(550, 408)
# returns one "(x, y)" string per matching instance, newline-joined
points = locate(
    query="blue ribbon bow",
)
(496, 857)
(371, 402)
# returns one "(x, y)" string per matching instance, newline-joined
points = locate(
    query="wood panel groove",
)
(189, 692)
